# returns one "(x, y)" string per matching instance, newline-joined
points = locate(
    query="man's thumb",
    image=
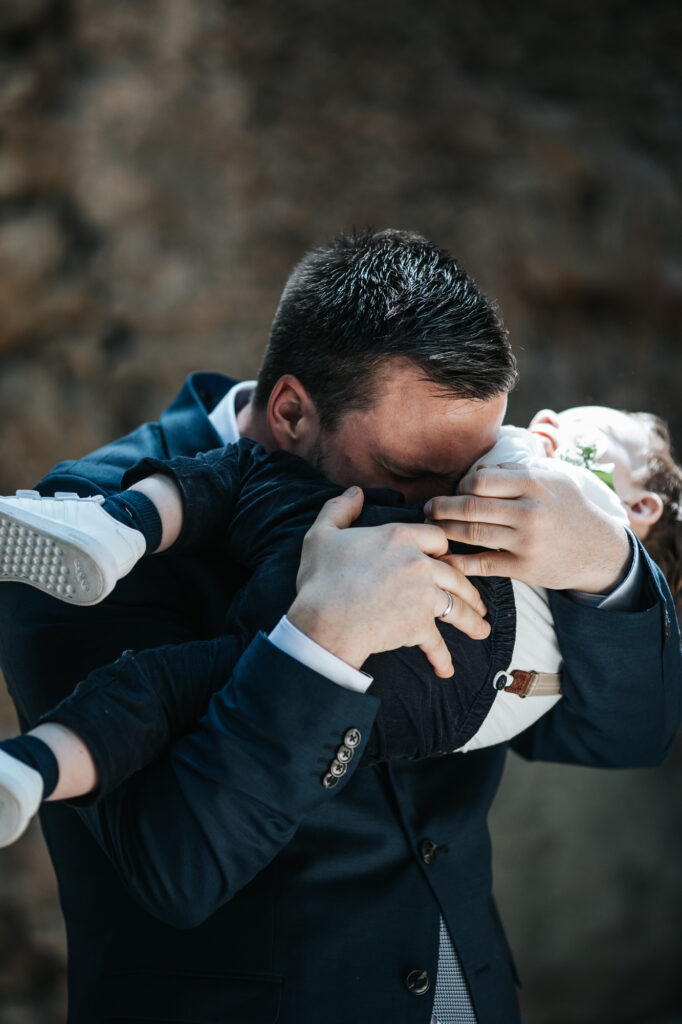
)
(340, 512)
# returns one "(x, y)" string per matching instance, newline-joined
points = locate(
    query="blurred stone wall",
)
(163, 163)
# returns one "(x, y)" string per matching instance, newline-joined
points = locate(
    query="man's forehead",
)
(412, 426)
(441, 433)
(404, 389)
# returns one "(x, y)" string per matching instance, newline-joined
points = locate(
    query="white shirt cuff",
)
(297, 645)
(624, 597)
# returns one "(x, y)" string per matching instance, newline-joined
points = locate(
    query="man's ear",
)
(644, 509)
(292, 416)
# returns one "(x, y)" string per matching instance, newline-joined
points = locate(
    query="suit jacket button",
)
(337, 769)
(417, 982)
(329, 780)
(428, 851)
(344, 754)
(352, 737)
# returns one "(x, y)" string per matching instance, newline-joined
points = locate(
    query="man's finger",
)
(428, 537)
(476, 508)
(482, 535)
(486, 563)
(342, 511)
(463, 616)
(436, 651)
(454, 582)
(508, 480)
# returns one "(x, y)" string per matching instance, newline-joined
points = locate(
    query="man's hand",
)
(375, 589)
(537, 527)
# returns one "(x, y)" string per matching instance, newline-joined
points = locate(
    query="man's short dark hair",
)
(350, 306)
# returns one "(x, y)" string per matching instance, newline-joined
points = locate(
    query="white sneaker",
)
(21, 792)
(67, 546)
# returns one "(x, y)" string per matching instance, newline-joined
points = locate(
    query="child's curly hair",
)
(663, 476)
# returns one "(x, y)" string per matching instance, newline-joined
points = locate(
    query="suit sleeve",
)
(191, 829)
(622, 682)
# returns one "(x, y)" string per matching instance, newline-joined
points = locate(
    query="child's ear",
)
(644, 510)
(545, 423)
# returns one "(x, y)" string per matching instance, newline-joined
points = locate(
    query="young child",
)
(255, 507)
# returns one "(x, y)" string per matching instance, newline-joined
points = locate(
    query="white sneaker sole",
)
(53, 557)
(21, 790)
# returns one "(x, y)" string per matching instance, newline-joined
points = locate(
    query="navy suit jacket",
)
(224, 883)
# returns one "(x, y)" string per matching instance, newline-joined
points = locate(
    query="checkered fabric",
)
(452, 1004)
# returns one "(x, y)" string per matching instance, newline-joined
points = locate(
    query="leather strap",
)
(530, 684)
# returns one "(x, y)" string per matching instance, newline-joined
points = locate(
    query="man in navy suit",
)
(227, 882)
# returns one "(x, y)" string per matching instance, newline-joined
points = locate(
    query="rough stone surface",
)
(162, 166)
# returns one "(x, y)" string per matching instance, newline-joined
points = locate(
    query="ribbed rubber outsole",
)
(57, 567)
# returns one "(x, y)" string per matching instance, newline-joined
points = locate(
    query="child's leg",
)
(115, 722)
(165, 496)
(77, 771)
(76, 549)
(28, 771)
(48, 763)
(152, 507)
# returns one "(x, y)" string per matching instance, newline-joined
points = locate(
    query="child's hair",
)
(663, 476)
